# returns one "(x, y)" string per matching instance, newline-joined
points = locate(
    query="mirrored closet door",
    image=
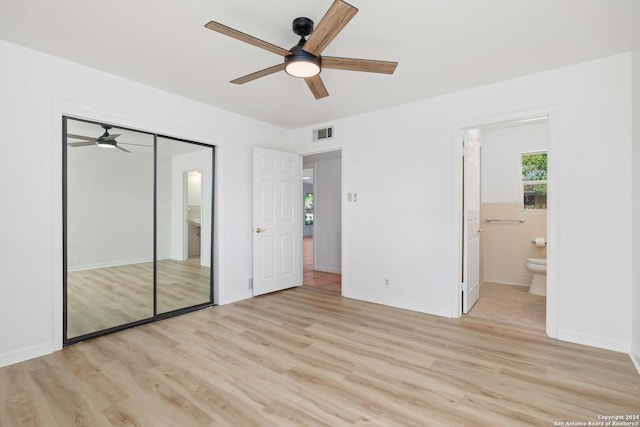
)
(184, 224)
(137, 227)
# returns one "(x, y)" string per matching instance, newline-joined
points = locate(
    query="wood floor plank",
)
(102, 298)
(308, 356)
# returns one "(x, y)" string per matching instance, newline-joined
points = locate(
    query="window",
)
(308, 209)
(534, 179)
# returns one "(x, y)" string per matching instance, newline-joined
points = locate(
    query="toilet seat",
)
(537, 261)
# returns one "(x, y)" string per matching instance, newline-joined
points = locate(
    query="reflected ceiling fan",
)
(304, 59)
(103, 141)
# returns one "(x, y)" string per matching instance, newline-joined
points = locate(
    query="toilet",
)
(538, 266)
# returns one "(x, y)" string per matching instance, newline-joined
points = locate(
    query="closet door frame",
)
(156, 316)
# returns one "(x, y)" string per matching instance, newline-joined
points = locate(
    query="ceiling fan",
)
(304, 59)
(103, 141)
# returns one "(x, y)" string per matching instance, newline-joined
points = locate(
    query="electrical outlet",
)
(386, 283)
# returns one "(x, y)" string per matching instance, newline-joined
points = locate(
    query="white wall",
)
(501, 150)
(109, 207)
(635, 351)
(163, 206)
(36, 90)
(327, 219)
(195, 190)
(400, 162)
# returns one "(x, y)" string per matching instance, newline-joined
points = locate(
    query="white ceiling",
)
(441, 46)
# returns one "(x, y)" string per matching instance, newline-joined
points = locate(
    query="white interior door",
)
(277, 220)
(471, 224)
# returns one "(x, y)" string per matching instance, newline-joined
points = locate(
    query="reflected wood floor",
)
(318, 279)
(306, 356)
(102, 298)
(511, 304)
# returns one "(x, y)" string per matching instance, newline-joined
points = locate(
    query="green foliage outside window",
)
(308, 209)
(534, 180)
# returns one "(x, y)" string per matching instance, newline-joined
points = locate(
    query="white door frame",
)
(185, 215)
(552, 209)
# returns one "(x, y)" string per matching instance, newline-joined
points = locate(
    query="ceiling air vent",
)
(323, 134)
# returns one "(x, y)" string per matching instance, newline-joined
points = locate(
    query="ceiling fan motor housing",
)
(302, 26)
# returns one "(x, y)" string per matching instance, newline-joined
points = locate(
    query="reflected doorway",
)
(193, 208)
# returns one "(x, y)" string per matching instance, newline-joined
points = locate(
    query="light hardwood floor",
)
(306, 356)
(102, 298)
(318, 279)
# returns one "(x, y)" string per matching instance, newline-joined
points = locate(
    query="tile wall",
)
(505, 247)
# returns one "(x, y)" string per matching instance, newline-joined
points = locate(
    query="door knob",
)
(260, 230)
(480, 230)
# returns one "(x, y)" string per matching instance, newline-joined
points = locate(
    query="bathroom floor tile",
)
(510, 304)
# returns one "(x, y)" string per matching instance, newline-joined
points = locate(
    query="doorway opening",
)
(505, 221)
(322, 240)
(193, 215)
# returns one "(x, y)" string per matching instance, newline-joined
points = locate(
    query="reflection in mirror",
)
(184, 196)
(109, 227)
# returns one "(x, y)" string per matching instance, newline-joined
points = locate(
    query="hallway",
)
(318, 279)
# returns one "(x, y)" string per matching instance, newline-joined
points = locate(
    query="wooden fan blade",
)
(317, 86)
(123, 149)
(258, 74)
(137, 145)
(336, 18)
(88, 138)
(238, 35)
(353, 64)
(82, 144)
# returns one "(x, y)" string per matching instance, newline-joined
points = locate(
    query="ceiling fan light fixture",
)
(302, 68)
(106, 144)
(301, 63)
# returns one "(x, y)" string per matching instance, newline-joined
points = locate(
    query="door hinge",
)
(462, 288)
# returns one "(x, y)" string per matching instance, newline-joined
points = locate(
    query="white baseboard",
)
(505, 283)
(635, 357)
(23, 354)
(404, 304)
(115, 263)
(594, 341)
(239, 296)
(327, 269)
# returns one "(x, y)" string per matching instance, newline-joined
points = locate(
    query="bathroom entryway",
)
(508, 221)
